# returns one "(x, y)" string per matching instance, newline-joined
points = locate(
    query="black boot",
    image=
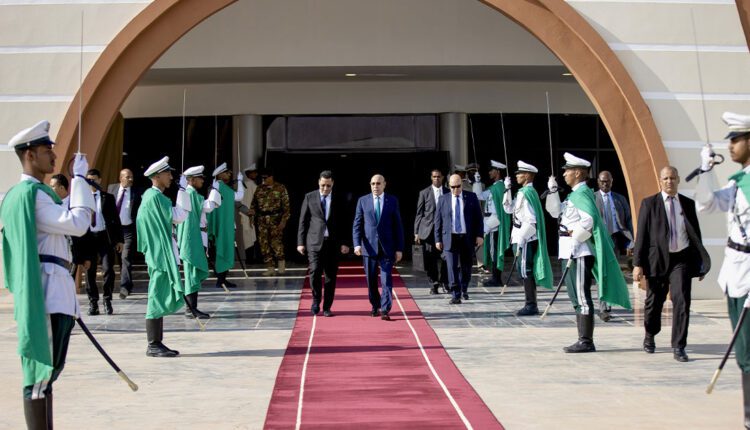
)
(530, 308)
(161, 337)
(746, 397)
(434, 289)
(192, 310)
(93, 307)
(585, 335)
(108, 307)
(154, 336)
(36, 414)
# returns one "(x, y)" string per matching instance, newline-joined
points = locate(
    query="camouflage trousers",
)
(271, 246)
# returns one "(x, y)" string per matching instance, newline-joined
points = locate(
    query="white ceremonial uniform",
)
(489, 206)
(572, 219)
(248, 228)
(734, 277)
(207, 208)
(523, 214)
(53, 224)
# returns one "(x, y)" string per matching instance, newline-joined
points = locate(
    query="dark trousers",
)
(678, 282)
(437, 270)
(103, 249)
(380, 301)
(61, 325)
(126, 257)
(459, 261)
(578, 283)
(742, 345)
(324, 262)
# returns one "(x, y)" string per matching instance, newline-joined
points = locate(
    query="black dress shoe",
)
(455, 301)
(93, 309)
(466, 296)
(374, 313)
(580, 347)
(327, 313)
(108, 307)
(528, 310)
(230, 284)
(385, 317)
(434, 289)
(605, 316)
(649, 345)
(491, 283)
(124, 293)
(201, 315)
(680, 355)
(159, 350)
(315, 309)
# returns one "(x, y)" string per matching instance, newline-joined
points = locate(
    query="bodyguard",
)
(528, 235)
(584, 240)
(271, 212)
(734, 198)
(424, 231)
(37, 260)
(155, 241)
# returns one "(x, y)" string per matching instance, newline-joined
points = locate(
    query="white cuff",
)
(214, 197)
(81, 195)
(581, 235)
(240, 193)
(183, 201)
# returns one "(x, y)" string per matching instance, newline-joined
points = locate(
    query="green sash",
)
(154, 228)
(221, 229)
(24, 279)
(503, 229)
(743, 182)
(612, 286)
(189, 240)
(542, 266)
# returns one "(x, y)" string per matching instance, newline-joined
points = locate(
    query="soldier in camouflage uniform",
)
(271, 212)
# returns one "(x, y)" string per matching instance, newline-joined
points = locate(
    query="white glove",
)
(706, 158)
(477, 177)
(80, 165)
(215, 184)
(552, 184)
(507, 182)
(183, 182)
(240, 177)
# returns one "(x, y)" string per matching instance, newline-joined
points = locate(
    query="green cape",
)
(743, 182)
(24, 279)
(194, 262)
(221, 229)
(503, 229)
(542, 266)
(154, 229)
(612, 286)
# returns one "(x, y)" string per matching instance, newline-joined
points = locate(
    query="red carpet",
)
(364, 373)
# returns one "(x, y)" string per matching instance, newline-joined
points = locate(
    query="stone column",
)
(453, 132)
(248, 132)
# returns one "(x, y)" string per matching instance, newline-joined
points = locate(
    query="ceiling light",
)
(567, 74)
(350, 75)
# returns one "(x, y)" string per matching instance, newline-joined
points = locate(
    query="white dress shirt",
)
(53, 223)
(437, 192)
(734, 277)
(682, 237)
(100, 223)
(608, 201)
(125, 216)
(453, 214)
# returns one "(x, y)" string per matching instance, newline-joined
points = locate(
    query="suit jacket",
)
(651, 250)
(424, 221)
(135, 199)
(473, 219)
(312, 223)
(622, 212)
(368, 233)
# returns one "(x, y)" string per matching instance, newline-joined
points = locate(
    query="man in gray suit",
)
(615, 212)
(424, 231)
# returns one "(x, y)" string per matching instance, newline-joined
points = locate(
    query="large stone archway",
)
(555, 23)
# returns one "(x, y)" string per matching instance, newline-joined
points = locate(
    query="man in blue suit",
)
(379, 237)
(458, 229)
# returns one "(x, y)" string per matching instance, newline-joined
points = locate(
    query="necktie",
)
(672, 224)
(608, 213)
(323, 206)
(120, 199)
(377, 209)
(457, 216)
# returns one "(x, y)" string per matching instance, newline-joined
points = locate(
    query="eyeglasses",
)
(455, 186)
(374, 183)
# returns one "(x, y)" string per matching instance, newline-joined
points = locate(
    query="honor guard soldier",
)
(585, 246)
(191, 239)
(496, 225)
(37, 261)
(460, 170)
(529, 235)
(155, 240)
(221, 224)
(734, 198)
(271, 212)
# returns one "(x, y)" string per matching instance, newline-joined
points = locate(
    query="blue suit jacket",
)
(473, 219)
(367, 233)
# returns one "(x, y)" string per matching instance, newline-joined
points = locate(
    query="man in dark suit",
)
(322, 234)
(105, 235)
(668, 253)
(378, 236)
(127, 201)
(424, 231)
(459, 228)
(615, 212)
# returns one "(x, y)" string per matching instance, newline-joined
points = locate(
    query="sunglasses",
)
(374, 183)
(455, 186)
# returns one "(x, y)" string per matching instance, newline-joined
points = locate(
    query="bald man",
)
(127, 201)
(378, 237)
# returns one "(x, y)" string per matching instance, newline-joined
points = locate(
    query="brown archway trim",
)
(555, 23)
(743, 8)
